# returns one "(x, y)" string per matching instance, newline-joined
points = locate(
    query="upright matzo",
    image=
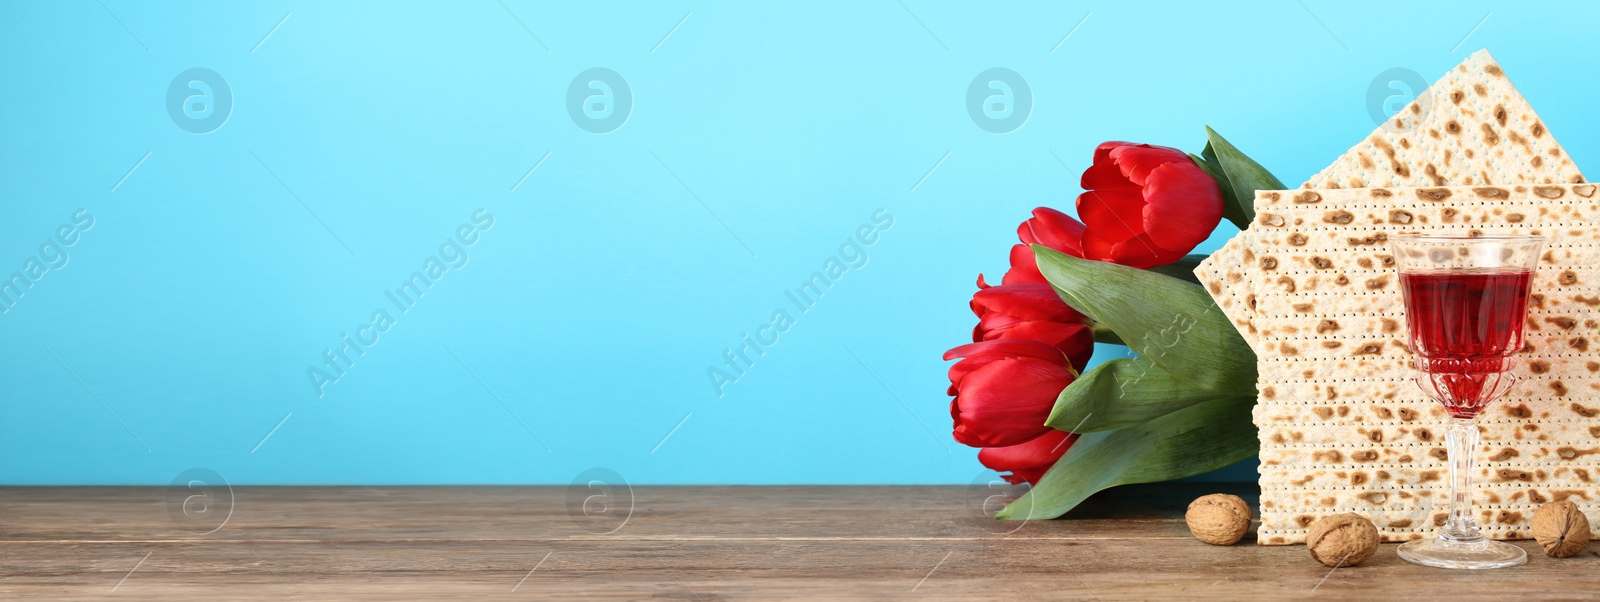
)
(1470, 127)
(1345, 428)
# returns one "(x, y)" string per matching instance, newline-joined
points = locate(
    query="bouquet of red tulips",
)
(1180, 405)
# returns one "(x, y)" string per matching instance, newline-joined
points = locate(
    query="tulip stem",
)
(1103, 334)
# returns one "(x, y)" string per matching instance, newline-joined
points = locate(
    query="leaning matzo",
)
(1472, 126)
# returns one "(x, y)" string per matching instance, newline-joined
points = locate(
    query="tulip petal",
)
(1006, 402)
(1028, 461)
(1047, 227)
(1184, 205)
(1074, 339)
(1145, 205)
(1141, 252)
(1098, 248)
(1104, 174)
(1004, 348)
(1111, 215)
(992, 321)
(1115, 222)
(975, 355)
(1026, 301)
(1053, 229)
(1137, 161)
(1023, 269)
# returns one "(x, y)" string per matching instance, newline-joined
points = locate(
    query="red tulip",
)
(1032, 311)
(1047, 227)
(1027, 462)
(1145, 205)
(1005, 389)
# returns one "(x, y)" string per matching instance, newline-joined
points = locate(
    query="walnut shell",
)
(1561, 529)
(1342, 539)
(1218, 519)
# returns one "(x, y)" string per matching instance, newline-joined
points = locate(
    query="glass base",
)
(1447, 553)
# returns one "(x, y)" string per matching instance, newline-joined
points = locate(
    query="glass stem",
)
(1462, 441)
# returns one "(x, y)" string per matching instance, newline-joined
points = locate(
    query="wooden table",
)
(415, 543)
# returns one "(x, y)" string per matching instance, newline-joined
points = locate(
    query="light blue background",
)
(606, 287)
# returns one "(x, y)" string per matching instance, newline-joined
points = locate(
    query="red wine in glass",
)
(1466, 301)
(1465, 324)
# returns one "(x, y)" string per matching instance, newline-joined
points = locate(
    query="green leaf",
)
(1232, 210)
(1191, 441)
(1182, 269)
(1173, 323)
(1120, 393)
(1243, 176)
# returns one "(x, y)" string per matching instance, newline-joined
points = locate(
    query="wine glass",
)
(1466, 301)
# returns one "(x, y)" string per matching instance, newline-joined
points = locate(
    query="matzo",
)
(1471, 126)
(1224, 274)
(1343, 425)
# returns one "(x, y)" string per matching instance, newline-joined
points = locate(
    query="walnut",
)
(1561, 529)
(1342, 539)
(1218, 519)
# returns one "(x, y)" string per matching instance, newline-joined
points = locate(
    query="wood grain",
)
(358, 543)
